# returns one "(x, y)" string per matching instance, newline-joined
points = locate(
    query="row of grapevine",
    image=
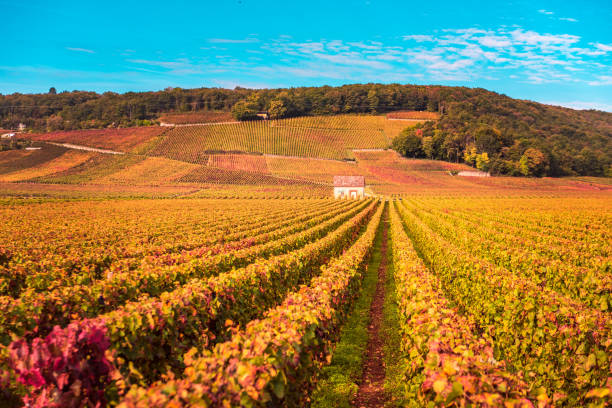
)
(446, 362)
(560, 346)
(191, 143)
(35, 313)
(273, 359)
(175, 226)
(55, 267)
(149, 336)
(590, 284)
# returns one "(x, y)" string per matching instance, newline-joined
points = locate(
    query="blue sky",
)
(557, 52)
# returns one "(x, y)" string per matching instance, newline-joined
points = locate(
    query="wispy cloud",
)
(247, 40)
(80, 50)
(418, 37)
(531, 56)
(604, 47)
(551, 15)
(180, 66)
(602, 80)
(461, 56)
(581, 105)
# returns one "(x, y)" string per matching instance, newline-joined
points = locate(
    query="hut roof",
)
(349, 181)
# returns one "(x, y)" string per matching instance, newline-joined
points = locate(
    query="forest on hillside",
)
(488, 130)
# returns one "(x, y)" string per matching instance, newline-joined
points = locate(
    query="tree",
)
(428, 147)
(373, 100)
(244, 110)
(408, 144)
(488, 139)
(52, 91)
(277, 109)
(533, 163)
(482, 161)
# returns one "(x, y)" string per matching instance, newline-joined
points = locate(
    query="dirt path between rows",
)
(371, 389)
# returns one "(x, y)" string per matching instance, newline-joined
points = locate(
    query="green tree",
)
(533, 163)
(408, 144)
(488, 139)
(244, 110)
(373, 100)
(428, 147)
(277, 109)
(482, 161)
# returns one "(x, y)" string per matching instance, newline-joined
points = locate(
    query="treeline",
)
(507, 136)
(490, 131)
(85, 110)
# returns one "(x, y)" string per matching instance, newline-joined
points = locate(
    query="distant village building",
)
(349, 187)
(7, 135)
(21, 127)
(263, 115)
(466, 173)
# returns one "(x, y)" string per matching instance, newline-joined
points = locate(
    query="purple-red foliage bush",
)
(68, 368)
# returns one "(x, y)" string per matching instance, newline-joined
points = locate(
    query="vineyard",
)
(196, 117)
(325, 137)
(251, 302)
(209, 266)
(121, 139)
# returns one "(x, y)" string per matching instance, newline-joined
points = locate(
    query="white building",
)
(349, 187)
(467, 173)
(7, 135)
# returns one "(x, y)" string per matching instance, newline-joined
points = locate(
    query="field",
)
(121, 139)
(203, 289)
(319, 136)
(414, 115)
(61, 163)
(209, 266)
(196, 117)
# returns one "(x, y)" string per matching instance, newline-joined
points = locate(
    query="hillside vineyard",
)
(207, 264)
(242, 302)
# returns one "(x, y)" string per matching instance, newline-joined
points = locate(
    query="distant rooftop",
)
(349, 181)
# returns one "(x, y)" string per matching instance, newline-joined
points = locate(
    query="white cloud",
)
(571, 20)
(163, 64)
(81, 50)
(603, 47)
(233, 41)
(371, 46)
(581, 105)
(602, 80)
(494, 41)
(465, 54)
(548, 13)
(418, 38)
(534, 38)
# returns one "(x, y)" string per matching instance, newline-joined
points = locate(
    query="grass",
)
(337, 385)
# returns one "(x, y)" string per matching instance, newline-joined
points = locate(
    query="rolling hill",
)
(512, 132)
(286, 156)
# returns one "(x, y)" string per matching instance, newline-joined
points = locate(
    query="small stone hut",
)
(349, 187)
